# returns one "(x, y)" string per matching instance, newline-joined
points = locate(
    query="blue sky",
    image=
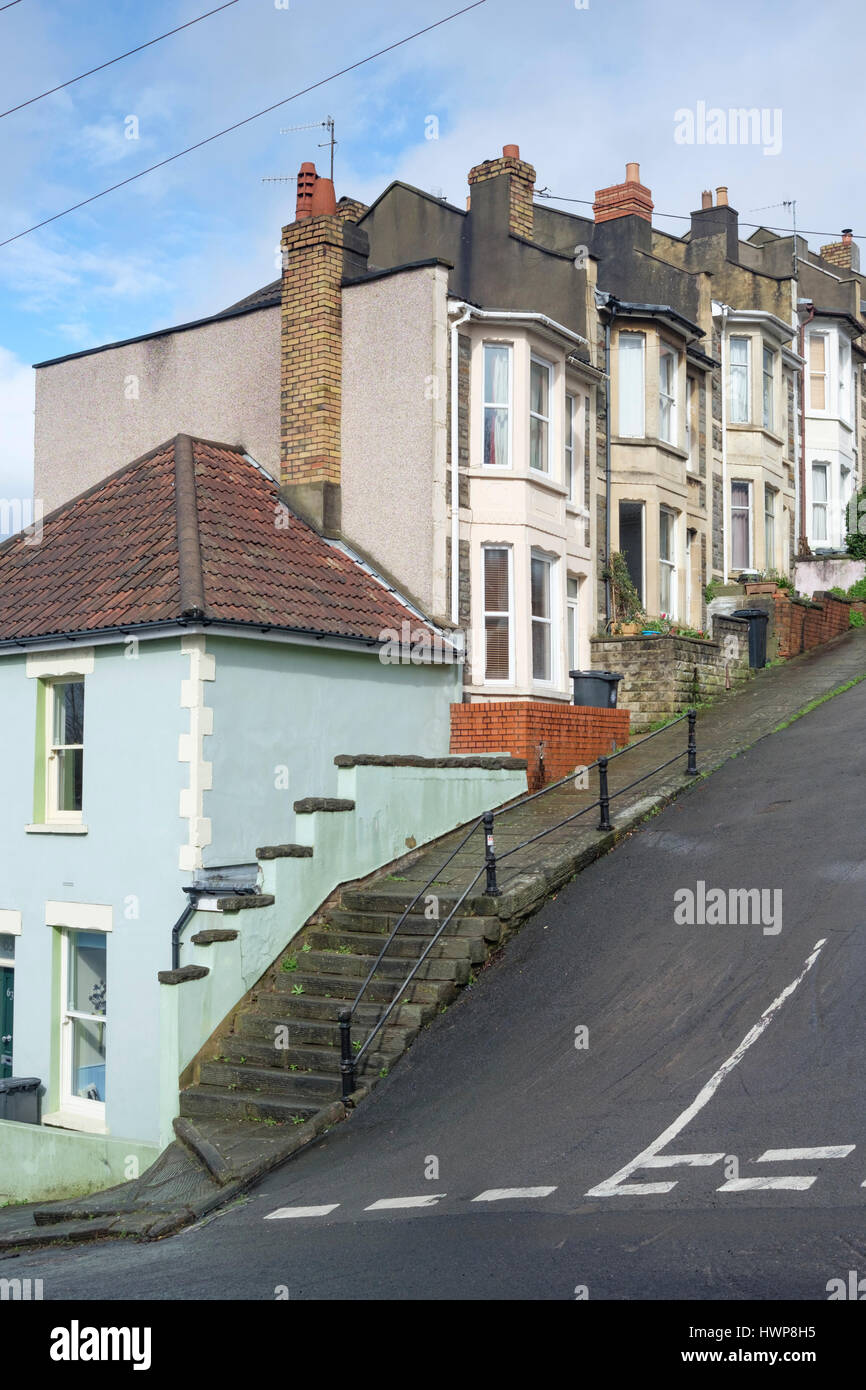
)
(581, 90)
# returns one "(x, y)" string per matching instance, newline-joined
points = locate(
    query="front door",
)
(7, 979)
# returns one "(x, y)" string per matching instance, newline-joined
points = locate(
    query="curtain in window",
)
(739, 381)
(496, 372)
(740, 526)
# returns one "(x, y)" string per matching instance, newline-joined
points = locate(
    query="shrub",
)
(856, 619)
(855, 541)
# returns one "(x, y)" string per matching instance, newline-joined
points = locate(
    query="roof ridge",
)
(192, 600)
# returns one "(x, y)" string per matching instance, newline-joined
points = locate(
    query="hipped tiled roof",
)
(194, 531)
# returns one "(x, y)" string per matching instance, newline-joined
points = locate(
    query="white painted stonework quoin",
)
(202, 667)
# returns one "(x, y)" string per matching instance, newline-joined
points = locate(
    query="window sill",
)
(650, 441)
(73, 1119)
(56, 828)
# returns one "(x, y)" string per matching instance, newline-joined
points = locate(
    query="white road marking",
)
(791, 1184)
(282, 1212)
(694, 1160)
(616, 1186)
(500, 1194)
(801, 1155)
(393, 1203)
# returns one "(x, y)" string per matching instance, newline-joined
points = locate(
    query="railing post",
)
(492, 890)
(347, 1057)
(692, 766)
(603, 797)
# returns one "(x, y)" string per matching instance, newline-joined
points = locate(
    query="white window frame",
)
(670, 565)
(53, 814)
(570, 437)
(91, 1110)
(637, 343)
(536, 361)
(748, 509)
(666, 352)
(550, 621)
(740, 366)
(822, 376)
(497, 405)
(768, 417)
(572, 621)
(824, 504)
(495, 613)
(770, 494)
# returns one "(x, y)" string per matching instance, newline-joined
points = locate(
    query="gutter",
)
(802, 470)
(724, 310)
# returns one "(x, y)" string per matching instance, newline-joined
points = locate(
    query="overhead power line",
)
(128, 54)
(686, 217)
(9, 6)
(246, 121)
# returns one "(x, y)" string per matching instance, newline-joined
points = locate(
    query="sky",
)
(583, 86)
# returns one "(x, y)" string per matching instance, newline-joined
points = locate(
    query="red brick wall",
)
(554, 739)
(799, 628)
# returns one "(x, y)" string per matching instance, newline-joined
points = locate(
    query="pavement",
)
(505, 1095)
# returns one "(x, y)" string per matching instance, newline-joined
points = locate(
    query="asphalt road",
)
(712, 1052)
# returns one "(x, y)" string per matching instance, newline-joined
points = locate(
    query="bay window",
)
(740, 413)
(630, 362)
(741, 525)
(497, 613)
(542, 621)
(667, 563)
(818, 371)
(768, 378)
(769, 527)
(668, 395)
(497, 405)
(820, 500)
(572, 585)
(540, 374)
(570, 431)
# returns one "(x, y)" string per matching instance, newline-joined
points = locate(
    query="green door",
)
(7, 979)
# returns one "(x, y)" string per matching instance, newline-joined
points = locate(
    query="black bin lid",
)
(602, 675)
(10, 1084)
(752, 613)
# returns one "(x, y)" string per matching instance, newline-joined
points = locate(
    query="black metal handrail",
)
(349, 1059)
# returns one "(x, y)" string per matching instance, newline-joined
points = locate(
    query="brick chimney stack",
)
(321, 247)
(707, 198)
(628, 199)
(521, 182)
(844, 253)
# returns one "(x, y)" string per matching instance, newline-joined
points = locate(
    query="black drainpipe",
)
(611, 308)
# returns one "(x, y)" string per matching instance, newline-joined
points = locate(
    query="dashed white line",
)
(616, 1185)
(501, 1194)
(788, 1184)
(694, 1160)
(801, 1155)
(282, 1213)
(395, 1203)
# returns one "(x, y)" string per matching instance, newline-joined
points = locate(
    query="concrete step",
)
(416, 924)
(324, 1008)
(262, 1029)
(214, 1103)
(342, 988)
(323, 1060)
(328, 938)
(301, 1086)
(390, 969)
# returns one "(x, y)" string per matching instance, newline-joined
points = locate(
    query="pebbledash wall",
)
(195, 750)
(553, 738)
(665, 675)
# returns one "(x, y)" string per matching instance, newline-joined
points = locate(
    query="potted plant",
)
(626, 610)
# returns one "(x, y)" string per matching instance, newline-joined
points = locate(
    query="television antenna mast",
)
(327, 124)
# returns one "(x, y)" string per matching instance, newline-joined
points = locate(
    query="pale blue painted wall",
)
(132, 781)
(273, 704)
(299, 707)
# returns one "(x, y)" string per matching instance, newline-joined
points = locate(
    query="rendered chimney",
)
(629, 199)
(722, 196)
(707, 198)
(844, 253)
(521, 182)
(320, 248)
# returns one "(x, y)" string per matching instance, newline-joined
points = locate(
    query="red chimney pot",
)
(510, 151)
